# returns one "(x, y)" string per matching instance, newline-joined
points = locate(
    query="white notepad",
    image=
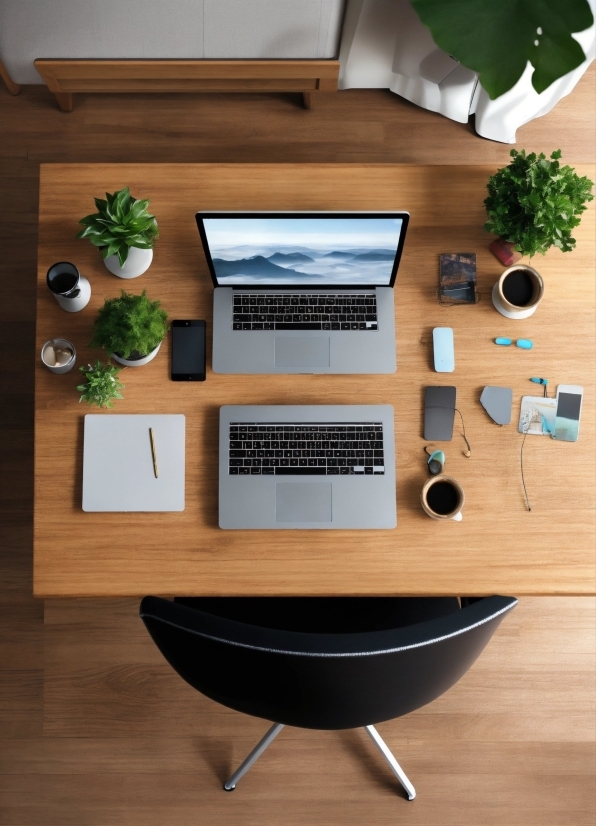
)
(118, 472)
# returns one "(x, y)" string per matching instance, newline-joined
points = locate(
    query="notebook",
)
(118, 468)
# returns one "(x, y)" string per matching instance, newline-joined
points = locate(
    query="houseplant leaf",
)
(497, 39)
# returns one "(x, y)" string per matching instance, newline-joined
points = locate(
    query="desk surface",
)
(499, 547)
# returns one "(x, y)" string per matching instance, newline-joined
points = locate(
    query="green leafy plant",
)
(121, 222)
(129, 326)
(101, 384)
(497, 38)
(534, 202)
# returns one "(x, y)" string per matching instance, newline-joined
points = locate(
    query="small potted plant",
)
(130, 328)
(101, 384)
(533, 204)
(124, 232)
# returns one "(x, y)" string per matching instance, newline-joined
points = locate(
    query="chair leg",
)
(396, 768)
(258, 750)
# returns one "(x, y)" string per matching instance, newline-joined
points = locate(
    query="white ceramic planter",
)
(136, 362)
(510, 310)
(136, 264)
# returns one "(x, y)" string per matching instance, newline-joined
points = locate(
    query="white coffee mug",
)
(71, 290)
(442, 498)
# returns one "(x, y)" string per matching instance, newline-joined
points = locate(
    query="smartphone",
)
(439, 413)
(188, 350)
(569, 405)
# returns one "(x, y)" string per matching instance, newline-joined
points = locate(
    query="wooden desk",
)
(498, 548)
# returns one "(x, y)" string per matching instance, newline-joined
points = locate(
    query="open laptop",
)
(303, 292)
(306, 466)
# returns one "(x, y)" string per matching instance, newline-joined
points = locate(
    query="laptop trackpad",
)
(302, 355)
(303, 502)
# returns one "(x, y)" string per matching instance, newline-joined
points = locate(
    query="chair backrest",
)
(321, 680)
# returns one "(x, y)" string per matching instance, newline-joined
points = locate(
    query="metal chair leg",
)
(258, 750)
(396, 768)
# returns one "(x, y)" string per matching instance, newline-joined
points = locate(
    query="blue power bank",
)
(443, 349)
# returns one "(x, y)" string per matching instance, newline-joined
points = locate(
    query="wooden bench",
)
(12, 87)
(66, 77)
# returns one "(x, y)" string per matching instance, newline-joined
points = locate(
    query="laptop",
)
(306, 466)
(303, 292)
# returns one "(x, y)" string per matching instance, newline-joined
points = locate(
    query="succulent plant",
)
(101, 384)
(131, 325)
(121, 222)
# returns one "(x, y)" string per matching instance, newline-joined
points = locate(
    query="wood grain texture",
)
(65, 77)
(127, 741)
(499, 546)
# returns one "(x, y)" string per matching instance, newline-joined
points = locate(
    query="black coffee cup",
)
(63, 279)
(442, 498)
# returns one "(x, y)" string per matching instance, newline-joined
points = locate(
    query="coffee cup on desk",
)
(71, 290)
(442, 498)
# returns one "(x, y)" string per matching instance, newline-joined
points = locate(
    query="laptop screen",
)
(308, 249)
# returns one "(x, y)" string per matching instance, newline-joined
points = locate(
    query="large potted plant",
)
(124, 231)
(130, 328)
(533, 204)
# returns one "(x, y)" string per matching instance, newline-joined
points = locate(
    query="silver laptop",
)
(311, 466)
(300, 292)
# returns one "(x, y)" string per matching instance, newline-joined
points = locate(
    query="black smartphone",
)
(188, 350)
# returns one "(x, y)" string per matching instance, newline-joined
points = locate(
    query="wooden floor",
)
(94, 728)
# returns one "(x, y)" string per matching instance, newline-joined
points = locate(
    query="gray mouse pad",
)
(303, 502)
(301, 354)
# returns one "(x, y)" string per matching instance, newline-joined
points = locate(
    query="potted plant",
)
(124, 232)
(533, 204)
(130, 328)
(101, 384)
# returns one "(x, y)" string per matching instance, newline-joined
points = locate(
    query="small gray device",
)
(306, 466)
(303, 292)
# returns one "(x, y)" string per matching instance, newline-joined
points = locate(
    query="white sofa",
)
(384, 45)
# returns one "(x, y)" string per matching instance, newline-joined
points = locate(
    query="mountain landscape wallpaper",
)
(302, 251)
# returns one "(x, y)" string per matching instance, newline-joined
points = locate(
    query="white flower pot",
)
(136, 362)
(136, 264)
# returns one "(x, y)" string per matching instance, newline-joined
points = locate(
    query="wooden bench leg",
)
(308, 99)
(64, 100)
(12, 87)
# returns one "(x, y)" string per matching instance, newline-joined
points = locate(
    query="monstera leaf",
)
(496, 38)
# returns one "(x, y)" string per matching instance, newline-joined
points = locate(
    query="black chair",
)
(323, 662)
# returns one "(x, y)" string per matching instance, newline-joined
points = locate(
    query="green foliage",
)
(129, 325)
(121, 222)
(535, 203)
(496, 38)
(101, 384)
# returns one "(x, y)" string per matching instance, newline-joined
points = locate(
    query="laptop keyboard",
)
(306, 449)
(304, 312)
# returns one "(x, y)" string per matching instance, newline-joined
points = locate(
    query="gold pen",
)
(153, 454)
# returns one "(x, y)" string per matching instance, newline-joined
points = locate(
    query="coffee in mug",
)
(443, 498)
(71, 290)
